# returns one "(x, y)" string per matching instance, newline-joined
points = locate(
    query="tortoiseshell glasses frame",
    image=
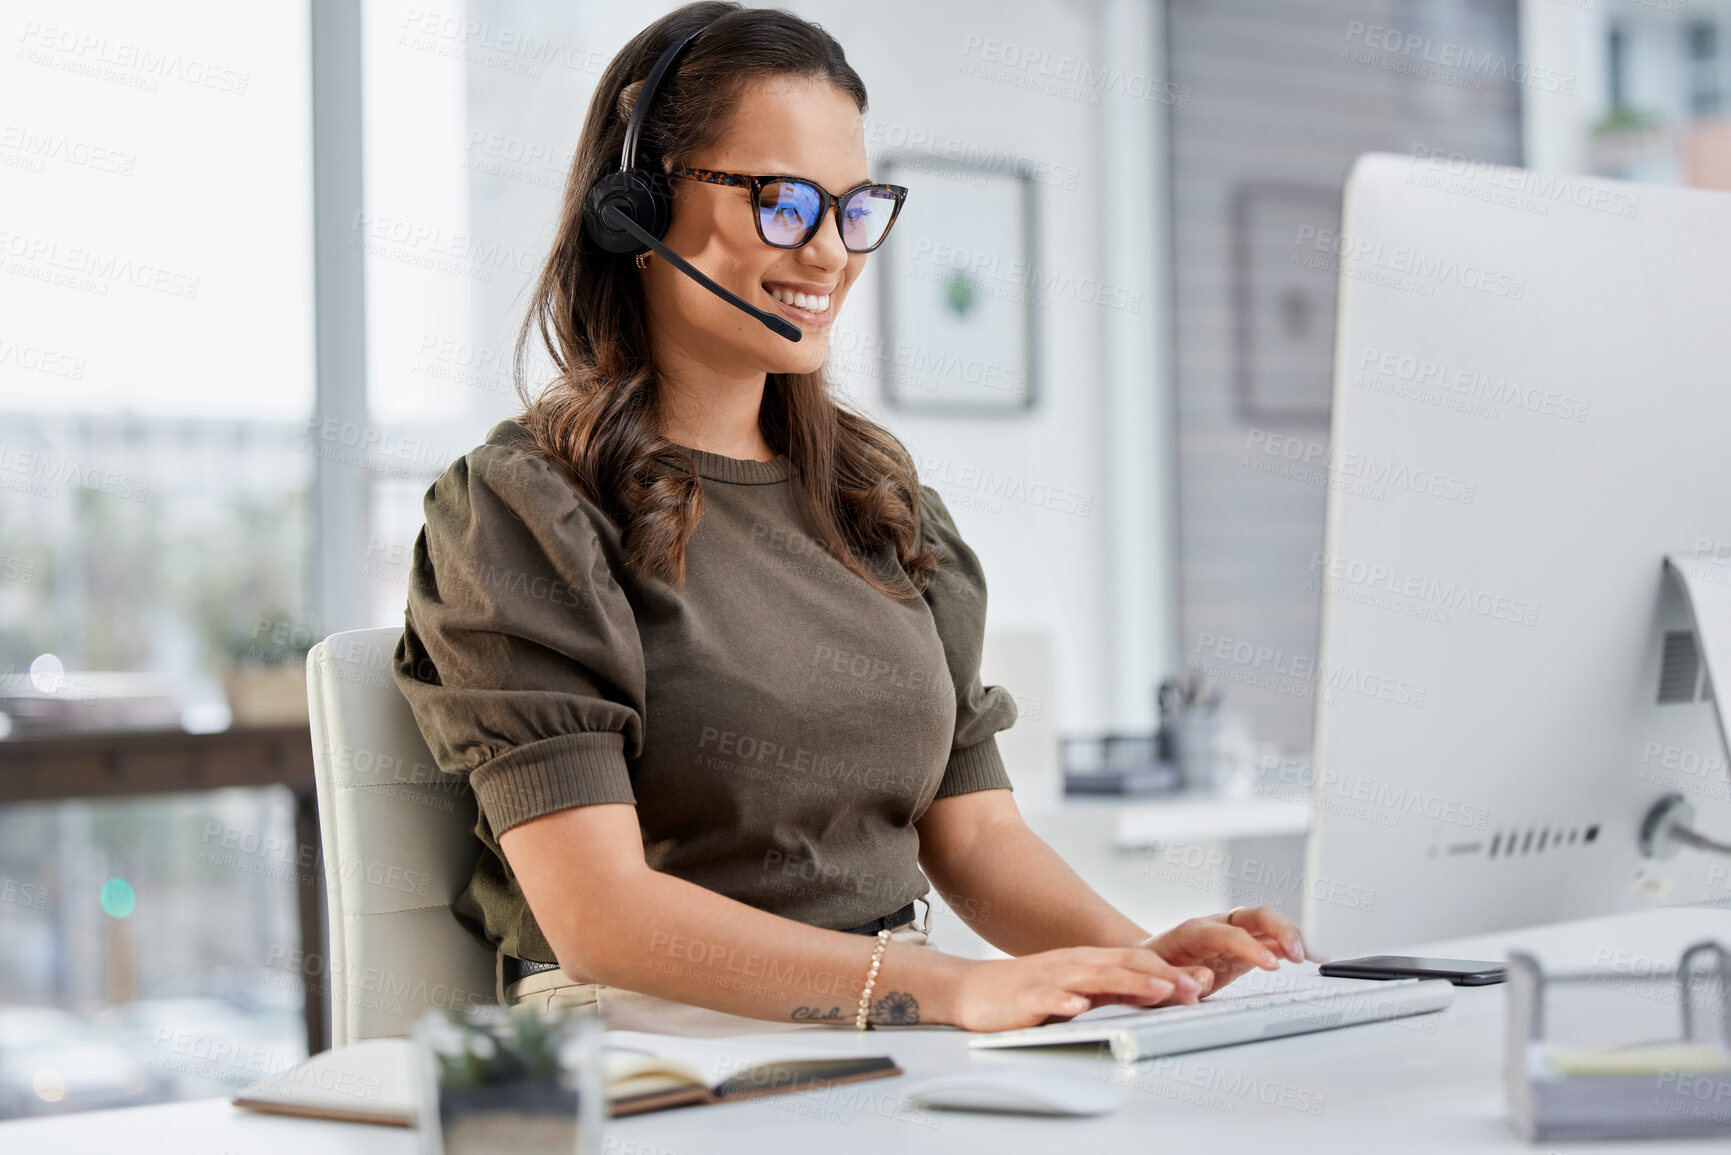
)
(821, 198)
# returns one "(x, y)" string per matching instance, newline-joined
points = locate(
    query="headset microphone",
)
(619, 220)
(629, 210)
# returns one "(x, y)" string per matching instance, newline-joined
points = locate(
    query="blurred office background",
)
(192, 491)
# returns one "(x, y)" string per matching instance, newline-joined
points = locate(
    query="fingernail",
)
(1156, 983)
(1188, 983)
(1295, 947)
(1268, 959)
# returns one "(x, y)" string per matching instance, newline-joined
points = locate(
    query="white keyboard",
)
(1320, 1004)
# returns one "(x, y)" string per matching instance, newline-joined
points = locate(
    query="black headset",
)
(639, 195)
(626, 212)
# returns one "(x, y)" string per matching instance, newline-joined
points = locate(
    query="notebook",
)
(368, 1082)
(646, 1072)
(372, 1082)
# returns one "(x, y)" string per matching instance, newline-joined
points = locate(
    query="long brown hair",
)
(856, 482)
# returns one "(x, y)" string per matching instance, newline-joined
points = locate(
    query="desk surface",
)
(1426, 1084)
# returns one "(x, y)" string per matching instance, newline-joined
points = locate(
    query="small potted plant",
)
(510, 1081)
(265, 669)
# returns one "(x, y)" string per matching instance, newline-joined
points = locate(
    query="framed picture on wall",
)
(959, 290)
(1283, 302)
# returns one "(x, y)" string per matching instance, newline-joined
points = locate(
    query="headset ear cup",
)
(636, 194)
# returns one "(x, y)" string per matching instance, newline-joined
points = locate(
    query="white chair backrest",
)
(399, 847)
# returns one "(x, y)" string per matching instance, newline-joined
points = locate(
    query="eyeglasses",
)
(790, 208)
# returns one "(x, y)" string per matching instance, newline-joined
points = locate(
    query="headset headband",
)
(651, 84)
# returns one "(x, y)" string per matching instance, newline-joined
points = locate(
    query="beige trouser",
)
(622, 1009)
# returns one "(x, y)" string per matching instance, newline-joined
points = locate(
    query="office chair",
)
(399, 846)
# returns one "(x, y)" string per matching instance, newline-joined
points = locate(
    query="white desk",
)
(1383, 1087)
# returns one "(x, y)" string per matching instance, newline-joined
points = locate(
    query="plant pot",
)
(267, 695)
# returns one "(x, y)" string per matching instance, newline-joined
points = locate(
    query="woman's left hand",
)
(1230, 944)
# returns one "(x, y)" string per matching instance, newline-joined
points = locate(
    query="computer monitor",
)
(1532, 396)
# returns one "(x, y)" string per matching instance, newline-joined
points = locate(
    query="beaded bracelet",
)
(865, 996)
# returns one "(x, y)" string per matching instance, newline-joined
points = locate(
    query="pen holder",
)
(1620, 1056)
(1195, 739)
(1214, 752)
(517, 1080)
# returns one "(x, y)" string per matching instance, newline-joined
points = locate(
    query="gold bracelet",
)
(865, 996)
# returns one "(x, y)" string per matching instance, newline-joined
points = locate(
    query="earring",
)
(643, 260)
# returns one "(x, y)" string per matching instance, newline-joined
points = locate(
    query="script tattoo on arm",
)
(895, 1009)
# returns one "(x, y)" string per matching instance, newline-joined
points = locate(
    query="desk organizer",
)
(1615, 1055)
(1117, 764)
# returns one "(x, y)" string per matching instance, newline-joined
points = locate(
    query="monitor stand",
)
(1705, 584)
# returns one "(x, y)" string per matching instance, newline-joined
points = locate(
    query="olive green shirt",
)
(779, 724)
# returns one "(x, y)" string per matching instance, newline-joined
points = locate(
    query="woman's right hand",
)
(1004, 994)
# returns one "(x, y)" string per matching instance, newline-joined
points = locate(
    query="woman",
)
(707, 651)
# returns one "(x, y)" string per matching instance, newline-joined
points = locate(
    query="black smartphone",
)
(1400, 966)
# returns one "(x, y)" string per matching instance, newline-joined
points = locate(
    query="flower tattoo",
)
(898, 1008)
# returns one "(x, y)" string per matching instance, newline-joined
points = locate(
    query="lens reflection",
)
(866, 216)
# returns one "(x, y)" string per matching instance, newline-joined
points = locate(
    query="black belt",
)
(520, 968)
(900, 918)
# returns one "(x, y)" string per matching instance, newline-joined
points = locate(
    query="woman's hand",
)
(1003, 994)
(1230, 944)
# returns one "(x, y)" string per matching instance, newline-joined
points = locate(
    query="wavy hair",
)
(598, 417)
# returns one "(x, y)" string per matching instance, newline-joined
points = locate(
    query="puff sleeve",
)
(957, 597)
(520, 654)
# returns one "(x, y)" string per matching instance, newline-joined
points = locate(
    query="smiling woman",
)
(713, 788)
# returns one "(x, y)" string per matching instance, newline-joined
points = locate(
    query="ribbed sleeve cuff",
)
(554, 774)
(976, 767)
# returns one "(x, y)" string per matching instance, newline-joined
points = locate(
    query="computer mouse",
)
(1028, 1091)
